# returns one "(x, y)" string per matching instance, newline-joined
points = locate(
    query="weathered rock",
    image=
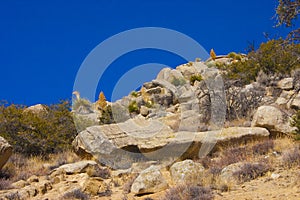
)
(186, 171)
(36, 109)
(144, 111)
(227, 173)
(295, 104)
(150, 180)
(78, 167)
(117, 145)
(285, 84)
(20, 184)
(284, 97)
(272, 119)
(5, 151)
(33, 179)
(95, 186)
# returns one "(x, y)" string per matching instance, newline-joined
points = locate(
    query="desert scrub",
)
(81, 102)
(291, 157)
(196, 77)
(106, 116)
(251, 171)
(75, 194)
(272, 57)
(135, 94)
(178, 81)
(296, 123)
(133, 107)
(31, 134)
(189, 192)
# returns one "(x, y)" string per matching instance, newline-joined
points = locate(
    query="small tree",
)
(287, 11)
(213, 54)
(102, 101)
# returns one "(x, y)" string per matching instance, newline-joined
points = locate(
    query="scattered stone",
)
(33, 179)
(95, 186)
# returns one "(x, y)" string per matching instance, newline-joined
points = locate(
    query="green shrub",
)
(134, 94)
(296, 123)
(31, 134)
(133, 107)
(272, 57)
(194, 78)
(106, 116)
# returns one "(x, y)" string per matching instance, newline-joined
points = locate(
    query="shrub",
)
(106, 116)
(5, 184)
(251, 171)
(101, 101)
(76, 194)
(263, 147)
(272, 57)
(134, 94)
(82, 103)
(194, 78)
(296, 123)
(292, 157)
(178, 81)
(133, 107)
(31, 134)
(188, 192)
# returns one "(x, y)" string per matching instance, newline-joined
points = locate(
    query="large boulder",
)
(150, 180)
(119, 145)
(186, 171)
(273, 119)
(5, 151)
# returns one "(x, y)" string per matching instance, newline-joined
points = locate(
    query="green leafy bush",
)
(38, 134)
(196, 77)
(133, 107)
(106, 116)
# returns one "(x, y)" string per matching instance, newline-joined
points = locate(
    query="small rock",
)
(275, 176)
(185, 171)
(78, 167)
(144, 111)
(150, 180)
(95, 186)
(33, 179)
(19, 184)
(285, 84)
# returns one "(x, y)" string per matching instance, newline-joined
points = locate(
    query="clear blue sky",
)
(43, 43)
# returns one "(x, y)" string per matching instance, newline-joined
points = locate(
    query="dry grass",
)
(20, 167)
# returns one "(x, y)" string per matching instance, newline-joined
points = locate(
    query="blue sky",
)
(43, 43)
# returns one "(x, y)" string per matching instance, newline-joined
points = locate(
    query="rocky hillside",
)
(191, 133)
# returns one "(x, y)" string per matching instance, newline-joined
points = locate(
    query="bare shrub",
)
(75, 194)
(251, 171)
(5, 184)
(188, 192)
(291, 157)
(128, 184)
(263, 147)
